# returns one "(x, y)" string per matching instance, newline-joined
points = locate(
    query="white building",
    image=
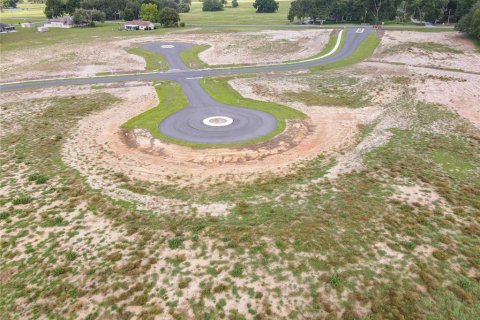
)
(63, 22)
(139, 25)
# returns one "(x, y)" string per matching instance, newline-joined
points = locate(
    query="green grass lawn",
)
(243, 14)
(154, 61)
(191, 59)
(24, 12)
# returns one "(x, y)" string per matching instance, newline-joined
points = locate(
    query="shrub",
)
(212, 5)
(22, 200)
(182, 24)
(234, 3)
(38, 178)
(168, 17)
(175, 243)
(71, 255)
(237, 270)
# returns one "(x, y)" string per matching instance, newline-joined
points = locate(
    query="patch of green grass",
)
(364, 51)
(334, 91)
(154, 61)
(426, 46)
(191, 59)
(38, 178)
(244, 14)
(26, 38)
(22, 200)
(24, 12)
(422, 29)
(172, 99)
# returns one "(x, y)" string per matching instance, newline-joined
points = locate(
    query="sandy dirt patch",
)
(109, 56)
(267, 46)
(458, 91)
(468, 59)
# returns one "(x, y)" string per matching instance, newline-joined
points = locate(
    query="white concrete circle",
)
(218, 121)
(167, 46)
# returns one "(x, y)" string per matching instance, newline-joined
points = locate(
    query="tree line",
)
(120, 9)
(381, 10)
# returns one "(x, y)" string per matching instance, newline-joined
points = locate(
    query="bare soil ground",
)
(400, 234)
(457, 53)
(267, 46)
(109, 56)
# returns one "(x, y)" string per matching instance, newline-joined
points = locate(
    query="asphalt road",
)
(187, 124)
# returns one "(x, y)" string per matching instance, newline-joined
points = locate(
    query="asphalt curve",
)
(188, 124)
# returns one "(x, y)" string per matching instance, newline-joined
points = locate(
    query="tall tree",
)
(149, 12)
(266, 6)
(168, 17)
(54, 8)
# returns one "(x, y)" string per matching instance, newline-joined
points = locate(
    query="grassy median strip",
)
(191, 59)
(364, 51)
(155, 61)
(172, 99)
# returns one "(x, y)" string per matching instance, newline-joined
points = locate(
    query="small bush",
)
(22, 200)
(243, 207)
(182, 24)
(440, 255)
(71, 255)
(175, 243)
(409, 245)
(234, 3)
(38, 178)
(140, 300)
(237, 270)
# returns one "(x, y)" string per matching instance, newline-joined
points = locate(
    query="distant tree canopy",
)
(114, 9)
(470, 22)
(149, 12)
(84, 16)
(383, 10)
(5, 4)
(168, 17)
(266, 6)
(212, 5)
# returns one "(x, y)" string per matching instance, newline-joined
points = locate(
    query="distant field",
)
(24, 11)
(243, 14)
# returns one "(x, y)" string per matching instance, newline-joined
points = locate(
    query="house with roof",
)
(4, 28)
(62, 22)
(139, 25)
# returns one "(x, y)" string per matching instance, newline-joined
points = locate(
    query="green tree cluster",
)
(266, 6)
(7, 4)
(470, 22)
(212, 5)
(115, 9)
(88, 17)
(376, 11)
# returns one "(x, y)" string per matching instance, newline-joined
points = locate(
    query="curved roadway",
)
(188, 124)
